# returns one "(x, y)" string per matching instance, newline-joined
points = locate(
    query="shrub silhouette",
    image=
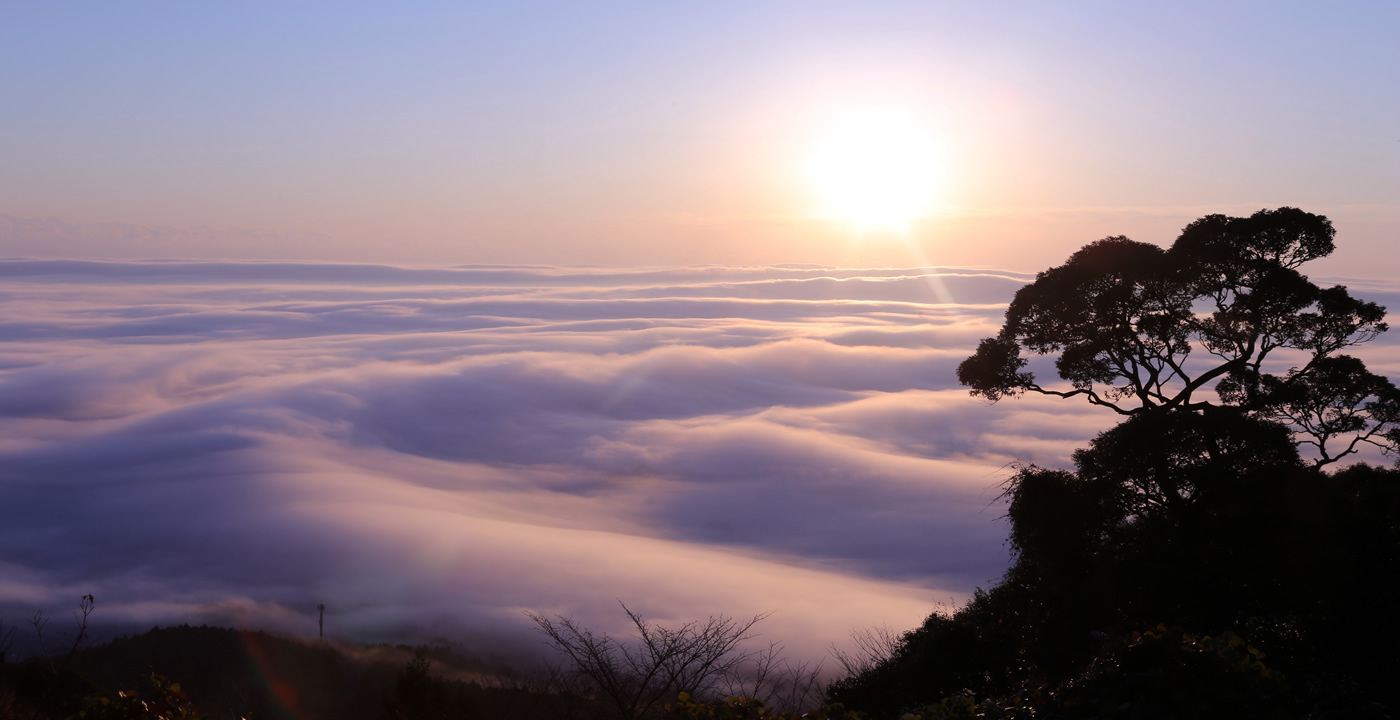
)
(637, 679)
(418, 695)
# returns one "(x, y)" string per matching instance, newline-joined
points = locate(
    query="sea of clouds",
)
(435, 451)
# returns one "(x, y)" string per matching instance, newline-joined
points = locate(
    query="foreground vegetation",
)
(1203, 559)
(1198, 516)
(210, 672)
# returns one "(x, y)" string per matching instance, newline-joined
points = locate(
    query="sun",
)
(876, 169)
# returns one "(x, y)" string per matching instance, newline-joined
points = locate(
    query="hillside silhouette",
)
(227, 673)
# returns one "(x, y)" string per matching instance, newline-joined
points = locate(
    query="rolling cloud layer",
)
(439, 449)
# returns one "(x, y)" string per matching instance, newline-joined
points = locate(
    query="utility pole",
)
(321, 621)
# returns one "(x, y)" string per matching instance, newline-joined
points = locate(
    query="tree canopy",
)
(1135, 328)
(1191, 564)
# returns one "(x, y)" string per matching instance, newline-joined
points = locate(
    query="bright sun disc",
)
(875, 169)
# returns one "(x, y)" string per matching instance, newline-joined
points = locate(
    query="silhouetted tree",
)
(1193, 512)
(1136, 328)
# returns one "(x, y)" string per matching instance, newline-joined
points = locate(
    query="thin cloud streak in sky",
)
(447, 447)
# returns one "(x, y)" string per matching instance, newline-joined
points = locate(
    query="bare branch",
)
(873, 647)
(636, 678)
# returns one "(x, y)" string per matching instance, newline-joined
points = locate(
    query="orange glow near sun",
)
(876, 169)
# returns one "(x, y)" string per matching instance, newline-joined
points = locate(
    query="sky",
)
(437, 314)
(676, 134)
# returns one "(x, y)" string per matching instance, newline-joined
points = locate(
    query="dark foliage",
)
(1136, 328)
(1190, 514)
(1305, 565)
(419, 695)
(1161, 673)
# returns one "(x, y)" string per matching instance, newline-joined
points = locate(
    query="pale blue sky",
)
(670, 133)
